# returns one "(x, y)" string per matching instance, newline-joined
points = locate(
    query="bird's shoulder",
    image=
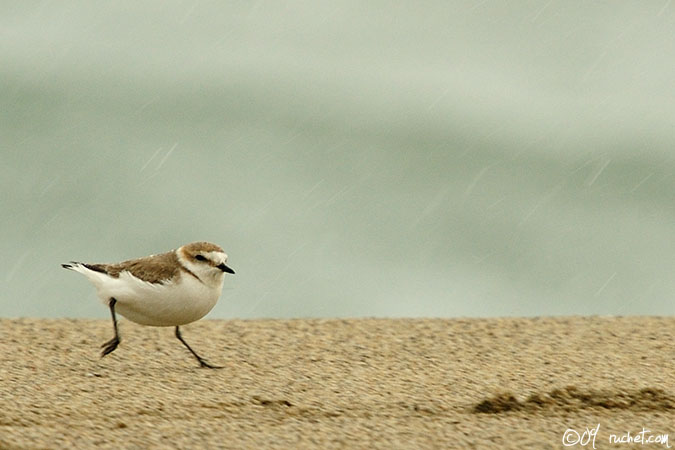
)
(152, 269)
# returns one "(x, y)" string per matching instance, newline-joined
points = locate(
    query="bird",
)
(166, 290)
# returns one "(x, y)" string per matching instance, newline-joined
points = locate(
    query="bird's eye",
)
(200, 258)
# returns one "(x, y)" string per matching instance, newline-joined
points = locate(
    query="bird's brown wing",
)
(153, 269)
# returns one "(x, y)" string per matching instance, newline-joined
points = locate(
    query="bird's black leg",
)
(112, 344)
(202, 363)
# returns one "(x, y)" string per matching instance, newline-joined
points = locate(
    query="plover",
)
(167, 290)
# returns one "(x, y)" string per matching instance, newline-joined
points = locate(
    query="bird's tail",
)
(84, 268)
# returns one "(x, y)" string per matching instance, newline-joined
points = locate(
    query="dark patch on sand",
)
(572, 398)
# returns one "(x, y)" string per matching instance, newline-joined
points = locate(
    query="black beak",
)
(224, 268)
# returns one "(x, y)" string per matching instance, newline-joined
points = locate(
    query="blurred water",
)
(353, 158)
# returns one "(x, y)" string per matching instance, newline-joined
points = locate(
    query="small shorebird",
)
(167, 290)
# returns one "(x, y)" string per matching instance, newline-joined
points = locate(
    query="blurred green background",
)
(441, 158)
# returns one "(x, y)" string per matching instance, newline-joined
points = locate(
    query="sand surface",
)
(466, 383)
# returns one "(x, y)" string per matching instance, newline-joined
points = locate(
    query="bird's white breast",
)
(174, 302)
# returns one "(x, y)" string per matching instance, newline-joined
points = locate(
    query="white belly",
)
(161, 304)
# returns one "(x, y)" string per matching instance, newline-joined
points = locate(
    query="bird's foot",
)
(203, 363)
(110, 346)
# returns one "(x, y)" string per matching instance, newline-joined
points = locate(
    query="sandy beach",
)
(366, 383)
